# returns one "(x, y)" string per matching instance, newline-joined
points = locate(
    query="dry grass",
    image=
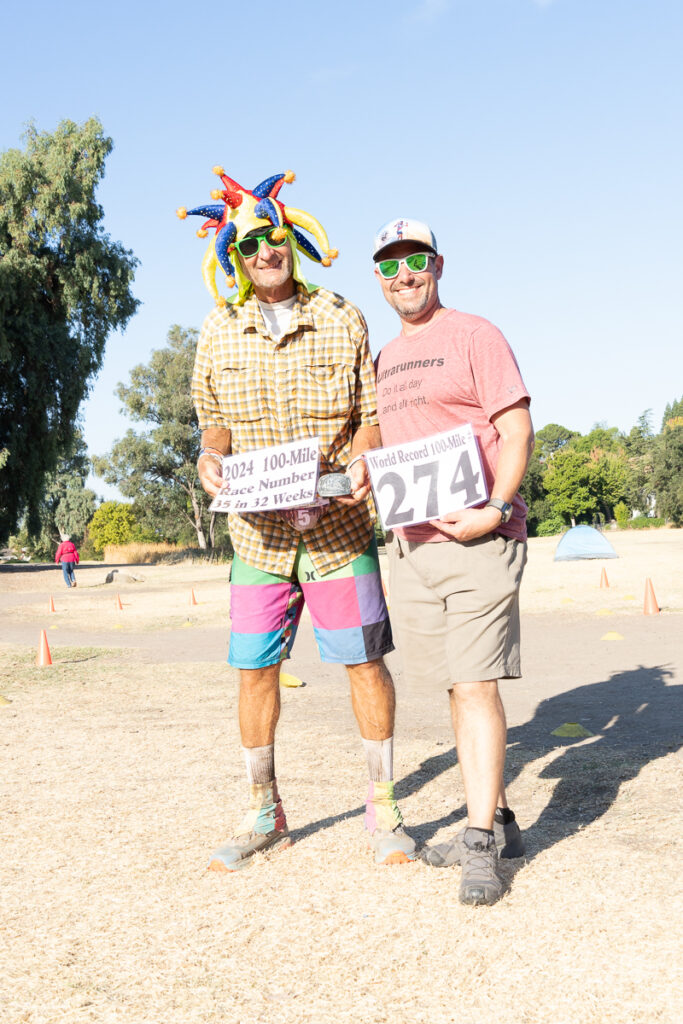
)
(157, 600)
(118, 778)
(139, 554)
(154, 554)
(574, 587)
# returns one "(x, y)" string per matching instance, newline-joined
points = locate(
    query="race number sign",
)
(422, 480)
(283, 476)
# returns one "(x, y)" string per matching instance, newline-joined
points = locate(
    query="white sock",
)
(260, 762)
(380, 758)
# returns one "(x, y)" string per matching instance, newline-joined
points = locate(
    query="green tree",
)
(600, 439)
(549, 440)
(607, 469)
(588, 474)
(667, 476)
(608, 476)
(64, 286)
(568, 484)
(158, 468)
(113, 523)
(67, 504)
(534, 494)
(621, 511)
(640, 449)
(673, 415)
(552, 438)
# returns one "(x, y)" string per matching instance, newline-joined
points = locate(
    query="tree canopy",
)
(580, 477)
(113, 523)
(158, 467)
(64, 286)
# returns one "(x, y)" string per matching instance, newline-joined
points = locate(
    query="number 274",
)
(464, 479)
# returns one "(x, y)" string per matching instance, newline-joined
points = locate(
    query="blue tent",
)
(583, 542)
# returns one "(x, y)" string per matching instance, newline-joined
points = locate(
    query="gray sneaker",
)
(509, 843)
(480, 882)
(444, 855)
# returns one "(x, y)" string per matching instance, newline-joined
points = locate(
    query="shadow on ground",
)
(635, 718)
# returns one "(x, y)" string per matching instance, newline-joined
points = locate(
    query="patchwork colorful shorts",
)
(347, 608)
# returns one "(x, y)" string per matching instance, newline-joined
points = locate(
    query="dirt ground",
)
(120, 771)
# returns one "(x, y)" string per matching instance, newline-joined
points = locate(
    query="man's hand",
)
(469, 523)
(210, 472)
(360, 484)
(217, 441)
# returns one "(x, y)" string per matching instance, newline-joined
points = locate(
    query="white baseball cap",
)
(403, 230)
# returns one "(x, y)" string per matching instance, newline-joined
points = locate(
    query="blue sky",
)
(541, 139)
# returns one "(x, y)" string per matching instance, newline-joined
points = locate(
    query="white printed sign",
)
(423, 480)
(283, 476)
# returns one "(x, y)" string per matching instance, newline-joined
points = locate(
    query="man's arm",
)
(517, 434)
(210, 465)
(363, 440)
(366, 434)
(216, 440)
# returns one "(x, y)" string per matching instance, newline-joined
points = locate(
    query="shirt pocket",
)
(324, 391)
(240, 393)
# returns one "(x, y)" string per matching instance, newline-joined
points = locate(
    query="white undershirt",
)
(277, 316)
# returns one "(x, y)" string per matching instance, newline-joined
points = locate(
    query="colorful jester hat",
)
(240, 211)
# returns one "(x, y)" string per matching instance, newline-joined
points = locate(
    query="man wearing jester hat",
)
(282, 360)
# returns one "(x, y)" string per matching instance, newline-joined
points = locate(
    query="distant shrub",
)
(549, 527)
(621, 514)
(112, 523)
(645, 523)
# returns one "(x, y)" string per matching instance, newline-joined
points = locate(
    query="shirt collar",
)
(302, 316)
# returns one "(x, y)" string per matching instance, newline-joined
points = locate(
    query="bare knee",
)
(475, 695)
(255, 680)
(370, 673)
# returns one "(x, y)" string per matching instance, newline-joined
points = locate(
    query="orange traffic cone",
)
(604, 582)
(650, 607)
(193, 599)
(51, 605)
(43, 657)
(117, 603)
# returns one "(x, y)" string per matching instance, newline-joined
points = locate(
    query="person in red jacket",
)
(68, 556)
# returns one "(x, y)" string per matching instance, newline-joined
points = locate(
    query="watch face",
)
(503, 507)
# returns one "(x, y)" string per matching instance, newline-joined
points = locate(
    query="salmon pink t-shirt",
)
(459, 369)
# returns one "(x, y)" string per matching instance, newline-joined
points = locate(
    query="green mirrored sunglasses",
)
(416, 263)
(250, 245)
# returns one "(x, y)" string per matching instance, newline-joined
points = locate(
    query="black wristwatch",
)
(503, 507)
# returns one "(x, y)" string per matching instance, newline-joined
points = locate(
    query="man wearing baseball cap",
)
(454, 582)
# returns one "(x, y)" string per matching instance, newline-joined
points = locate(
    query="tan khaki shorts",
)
(455, 609)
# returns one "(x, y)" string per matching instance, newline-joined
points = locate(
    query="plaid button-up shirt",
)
(317, 380)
